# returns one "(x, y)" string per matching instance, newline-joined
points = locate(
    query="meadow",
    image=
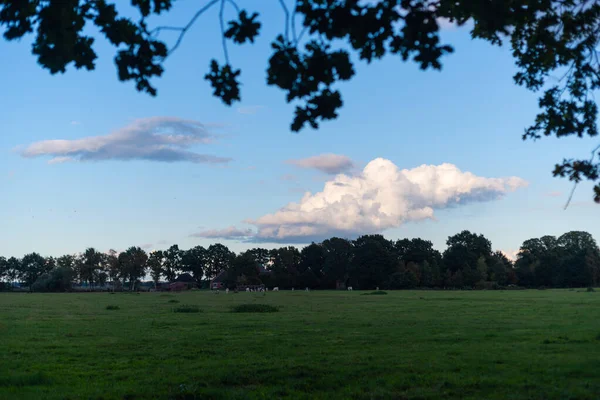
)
(534, 344)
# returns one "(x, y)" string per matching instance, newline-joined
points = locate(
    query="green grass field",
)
(319, 345)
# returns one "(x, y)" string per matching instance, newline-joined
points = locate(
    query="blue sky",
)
(470, 115)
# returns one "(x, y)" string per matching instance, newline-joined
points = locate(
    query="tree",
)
(338, 259)
(172, 264)
(194, 262)
(66, 261)
(91, 266)
(373, 262)
(3, 269)
(482, 269)
(218, 259)
(422, 253)
(285, 266)
(464, 251)
(501, 269)
(579, 264)
(312, 265)
(261, 256)
(475, 245)
(571, 260)
(60, 279)
(133, 264)
(244, 269)
(113, 267)
(14, 270)
(155, 264)
(405, 279)
(33, 266)
(546, 38)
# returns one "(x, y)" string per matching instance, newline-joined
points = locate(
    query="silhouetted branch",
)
(234, 4)
(302, 32)
(183, 30)
(596, 149)
(287, 19)
(223, 38)
(158, 29)
(294, 23)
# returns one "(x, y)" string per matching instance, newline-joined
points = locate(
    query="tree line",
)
(570, 260)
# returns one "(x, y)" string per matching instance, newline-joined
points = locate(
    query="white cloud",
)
(164, 139)
(511, 254)
(228, 233)
(75, 123)
(381, 197)
(328, 163)
(147, 246)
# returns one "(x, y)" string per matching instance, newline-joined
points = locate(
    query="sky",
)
(87, 161)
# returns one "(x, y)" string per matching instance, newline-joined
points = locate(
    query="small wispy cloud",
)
(60, 160)
(75, 123)
(11, 173)
(228, 233)
(328, 163)
(249, 110)
(147, 246)
(163, 242)
(161, 139)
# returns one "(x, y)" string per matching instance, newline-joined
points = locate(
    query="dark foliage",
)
(368, 262)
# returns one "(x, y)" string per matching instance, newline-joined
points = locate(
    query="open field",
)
(320, 345)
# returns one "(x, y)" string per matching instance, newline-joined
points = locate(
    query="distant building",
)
(178, 286)
(187, 278)
(219, 281)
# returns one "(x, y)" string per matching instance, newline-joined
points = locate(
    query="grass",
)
(525, 344)
(186, 308)
(112, 307)
(375, 293)
(254, 308)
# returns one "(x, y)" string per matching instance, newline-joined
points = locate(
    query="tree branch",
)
(234, 4)
(294, 23)
(158, 29)
(302, 32)
(183, 30)
(597, 148)
(287, 20)
(223, 38)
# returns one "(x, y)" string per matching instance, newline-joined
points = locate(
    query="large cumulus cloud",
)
(383, 196)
